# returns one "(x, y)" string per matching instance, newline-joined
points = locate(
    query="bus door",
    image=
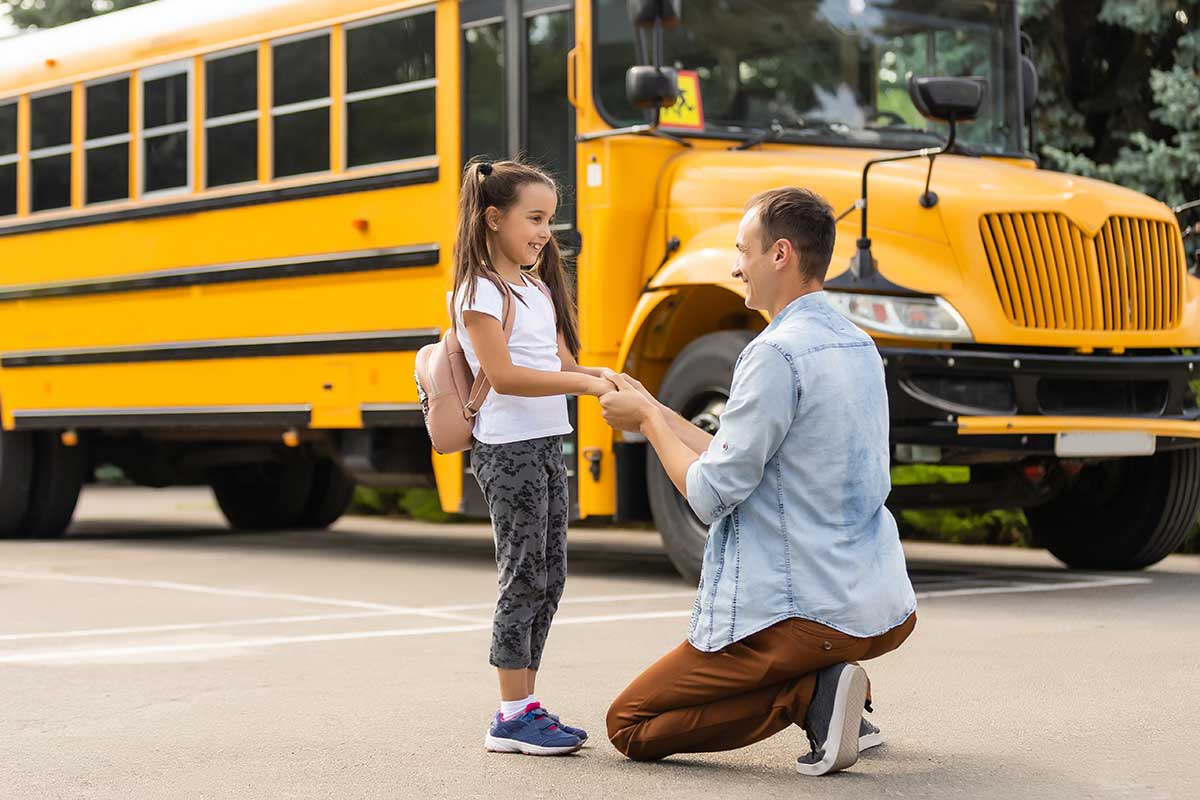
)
(514, 104)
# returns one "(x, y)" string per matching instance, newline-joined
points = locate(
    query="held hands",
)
(629, 406)
(598, 386)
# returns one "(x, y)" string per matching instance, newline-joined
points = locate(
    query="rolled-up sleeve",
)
(762, 404)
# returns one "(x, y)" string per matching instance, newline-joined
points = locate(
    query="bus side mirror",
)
(655, 86)
(1029, 85)
(947, 99)
(652, 87)
(644, 13)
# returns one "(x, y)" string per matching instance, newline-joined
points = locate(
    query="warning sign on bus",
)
(688, 111)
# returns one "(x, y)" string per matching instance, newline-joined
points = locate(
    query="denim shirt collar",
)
(800, 303)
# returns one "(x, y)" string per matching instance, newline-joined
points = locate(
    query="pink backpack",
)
(450, 395)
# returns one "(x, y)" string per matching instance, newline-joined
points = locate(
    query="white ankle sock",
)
(510, 709)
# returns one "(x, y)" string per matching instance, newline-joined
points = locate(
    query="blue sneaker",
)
(580, 733)
(533, 733)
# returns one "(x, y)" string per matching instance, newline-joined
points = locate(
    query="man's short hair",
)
(804, 219)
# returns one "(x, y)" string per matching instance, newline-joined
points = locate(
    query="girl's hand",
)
(598, 387)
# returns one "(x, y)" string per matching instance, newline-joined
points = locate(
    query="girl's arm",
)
(569, 364)
(492, 350)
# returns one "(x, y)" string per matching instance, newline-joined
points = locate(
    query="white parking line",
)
(568, 600)
(470, 624)
(189, 626)
(437, 612)
(1019, 588)
(200, 589)
(191, 647)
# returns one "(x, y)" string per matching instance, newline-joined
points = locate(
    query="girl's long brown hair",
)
(499, 184)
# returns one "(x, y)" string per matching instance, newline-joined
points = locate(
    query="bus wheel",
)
(264, 497)
(1122, 514)
(332, 491)
(697, 386)
(16, 474)
(58, 473)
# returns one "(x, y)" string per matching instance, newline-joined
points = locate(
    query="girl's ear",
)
(492, 217)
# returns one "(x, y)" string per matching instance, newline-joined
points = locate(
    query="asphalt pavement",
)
(154, 654)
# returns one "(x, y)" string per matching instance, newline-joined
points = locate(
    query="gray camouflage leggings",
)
(525, 484)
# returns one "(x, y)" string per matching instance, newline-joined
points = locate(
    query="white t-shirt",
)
(534, 344)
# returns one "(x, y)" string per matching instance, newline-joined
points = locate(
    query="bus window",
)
(483, 91)
(390, 89)
(166, 134)
(300, 104)
(231, 117)
(50, 156)
(8, 158)
(550, 118)
(106, 149)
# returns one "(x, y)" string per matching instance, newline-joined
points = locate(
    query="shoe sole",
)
(841, 746)
(869, 741)
(496, 745)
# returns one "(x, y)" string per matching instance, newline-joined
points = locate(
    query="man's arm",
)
(676, 455)
(693, 438)
(761, 408)
(762, 405)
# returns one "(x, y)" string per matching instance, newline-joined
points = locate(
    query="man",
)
(803, 573)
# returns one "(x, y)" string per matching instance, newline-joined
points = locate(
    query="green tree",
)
(49, 13)
(1120, 91)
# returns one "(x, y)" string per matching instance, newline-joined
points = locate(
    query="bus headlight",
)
(909, 317)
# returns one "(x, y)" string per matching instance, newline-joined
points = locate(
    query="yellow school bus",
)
(225, 230)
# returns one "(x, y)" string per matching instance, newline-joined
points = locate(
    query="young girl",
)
(504, 220)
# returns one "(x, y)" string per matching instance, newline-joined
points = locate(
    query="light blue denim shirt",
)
(793, 487)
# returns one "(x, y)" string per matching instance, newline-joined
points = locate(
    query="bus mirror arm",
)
(636, 130)
(864, 275)
(948, 100)
(652, 87)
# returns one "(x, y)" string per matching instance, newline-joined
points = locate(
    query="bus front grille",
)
(1051, 275)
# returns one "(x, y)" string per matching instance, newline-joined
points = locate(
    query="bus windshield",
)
(827, 71)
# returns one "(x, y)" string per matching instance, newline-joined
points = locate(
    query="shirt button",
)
(826, 646)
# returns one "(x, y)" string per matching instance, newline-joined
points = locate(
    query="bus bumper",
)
(963, 402)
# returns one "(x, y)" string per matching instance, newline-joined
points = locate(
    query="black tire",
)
(16, 477)
(1123, 514)
(58, 473)
(696, 386)
(330, 496)
(264, 497)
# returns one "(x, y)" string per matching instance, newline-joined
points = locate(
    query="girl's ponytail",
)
(471, 260)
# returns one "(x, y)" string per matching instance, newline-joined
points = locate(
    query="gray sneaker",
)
(868, 735)
(834, 719)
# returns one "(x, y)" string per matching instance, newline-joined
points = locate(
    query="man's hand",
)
(642, 390)
(627, 409)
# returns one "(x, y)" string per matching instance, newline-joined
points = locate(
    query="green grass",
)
(1000, 526)
(419, 504)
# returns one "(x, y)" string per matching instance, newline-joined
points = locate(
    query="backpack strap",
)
(481, 387)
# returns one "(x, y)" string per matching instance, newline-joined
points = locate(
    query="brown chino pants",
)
(690, 701)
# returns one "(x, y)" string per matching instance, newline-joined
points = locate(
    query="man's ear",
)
(783, 251)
